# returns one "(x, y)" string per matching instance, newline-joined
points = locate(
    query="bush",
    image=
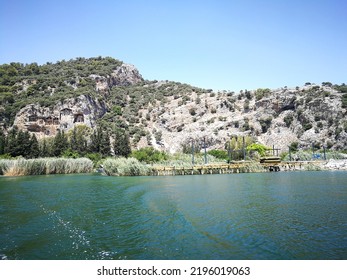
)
(288, 120)
(192, 111)
(94, 157)
(246, 105)
(265, 124)
(220, 154)
(344, 101)
(307, 126)
(117, 110)
(294, 146)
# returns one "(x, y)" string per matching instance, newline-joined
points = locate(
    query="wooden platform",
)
(235, 167)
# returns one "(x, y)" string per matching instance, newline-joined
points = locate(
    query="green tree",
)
(94, 146)
(105, 145)
(121, 145)
(46, 147)
(2, 142)
(60, 143)
(73, 140)
(24, 144)
(34, 147)
(261, 149)
(12, 143)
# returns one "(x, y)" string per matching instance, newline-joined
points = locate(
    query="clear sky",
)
(218, 44)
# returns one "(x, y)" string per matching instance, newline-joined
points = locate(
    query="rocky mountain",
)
(107, 93)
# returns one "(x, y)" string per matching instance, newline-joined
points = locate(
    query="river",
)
(282, 215)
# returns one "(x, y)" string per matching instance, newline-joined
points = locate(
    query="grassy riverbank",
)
(132, 167)
(44, 166)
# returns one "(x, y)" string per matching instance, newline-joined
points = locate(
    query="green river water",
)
(282, 215)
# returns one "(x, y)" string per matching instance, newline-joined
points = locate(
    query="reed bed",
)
(125, 167)
(253, 166)
(44, 166)
(184, 160)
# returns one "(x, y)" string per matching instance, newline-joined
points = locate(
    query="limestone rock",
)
(125, 75)
(63, 116)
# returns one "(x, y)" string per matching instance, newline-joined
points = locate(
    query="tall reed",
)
(125, 167)
(43, 166)
(185, 160)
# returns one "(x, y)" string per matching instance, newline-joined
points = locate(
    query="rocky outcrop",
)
(280, 118)
(124, 75)
(63, 116)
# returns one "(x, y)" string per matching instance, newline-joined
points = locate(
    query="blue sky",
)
(218, 44)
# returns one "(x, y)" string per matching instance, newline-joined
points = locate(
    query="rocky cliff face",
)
(83, 109)
(167, 115)
(63, 116)
(275, 118)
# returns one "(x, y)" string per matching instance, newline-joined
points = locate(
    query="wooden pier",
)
(236, 167)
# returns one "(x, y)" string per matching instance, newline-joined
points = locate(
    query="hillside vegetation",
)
(99, 99)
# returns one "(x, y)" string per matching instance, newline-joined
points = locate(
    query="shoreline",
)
(161, 170)
(252, 167)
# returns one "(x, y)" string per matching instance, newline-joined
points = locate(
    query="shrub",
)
(265, 124)
(148, 155)
(294, 146)
(246, 105)
(220, 154)
(211, 120)
(117, 110)
(180, 127)
(192, 111)
(307, 126)
(94, 157)
(288, 120)
(344, 100)
(158, 136)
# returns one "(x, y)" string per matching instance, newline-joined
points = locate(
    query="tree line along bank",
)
(80, 141)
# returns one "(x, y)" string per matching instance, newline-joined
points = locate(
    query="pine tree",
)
(2, 142)
(44, 151)
(105, 145)
(121, 145)
(94, 146)
(34, 147)
(73, 140)
(24, 144)
(60, 143)
(11, 142)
